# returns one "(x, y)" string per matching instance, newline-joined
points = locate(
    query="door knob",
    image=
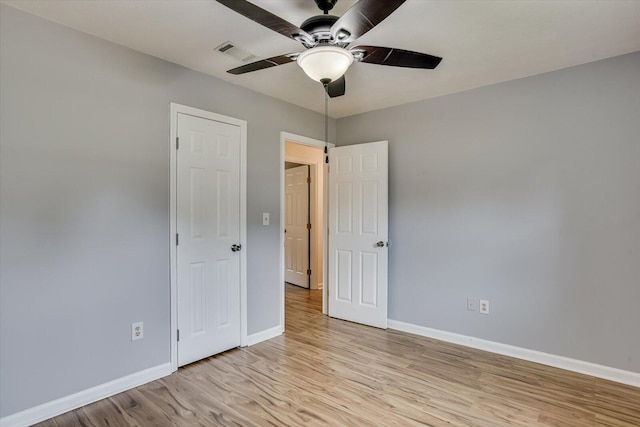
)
(380, 244)
(235, 248)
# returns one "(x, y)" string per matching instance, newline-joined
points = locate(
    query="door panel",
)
(296, 219)
(369, 278)
(343, 274)
(358, 221)
(208, 223)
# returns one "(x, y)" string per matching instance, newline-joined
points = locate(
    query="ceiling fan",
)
(328, 38)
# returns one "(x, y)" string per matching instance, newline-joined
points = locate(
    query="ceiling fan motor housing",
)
(319, 27)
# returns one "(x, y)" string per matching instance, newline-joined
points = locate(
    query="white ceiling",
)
(482, 42)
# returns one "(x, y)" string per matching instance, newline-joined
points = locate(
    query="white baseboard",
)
(60, 406)
(580, 366)
(265, 335)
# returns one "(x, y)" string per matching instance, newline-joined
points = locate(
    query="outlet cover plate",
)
(137, 331)
(484, 306)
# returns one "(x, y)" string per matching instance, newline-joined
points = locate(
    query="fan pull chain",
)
(326, 123)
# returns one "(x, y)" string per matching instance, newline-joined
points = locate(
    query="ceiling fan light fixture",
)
(325, 63)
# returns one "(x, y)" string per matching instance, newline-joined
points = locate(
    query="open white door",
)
(296, 246)
(208, 227)
(358, 233)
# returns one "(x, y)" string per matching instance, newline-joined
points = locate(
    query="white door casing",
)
(358, 233)
(296, 231)
(208, 224)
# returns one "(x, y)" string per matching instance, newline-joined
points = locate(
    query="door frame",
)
(174, 110)
(303, 140)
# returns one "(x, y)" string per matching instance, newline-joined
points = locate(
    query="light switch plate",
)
(472, 303)
(265, 218)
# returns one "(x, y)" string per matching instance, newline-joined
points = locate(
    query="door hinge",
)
(308, 180)
(178, 334)
(177, 142)
(177, 239)
(308, 272)
(308, 226)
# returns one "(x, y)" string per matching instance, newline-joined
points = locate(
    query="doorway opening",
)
(303, 157)
(303, 216)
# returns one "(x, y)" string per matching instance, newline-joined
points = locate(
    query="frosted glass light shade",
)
(325, 62)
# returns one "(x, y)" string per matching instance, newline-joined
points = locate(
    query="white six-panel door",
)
(296, 232)
(358, 233)
(208, 224)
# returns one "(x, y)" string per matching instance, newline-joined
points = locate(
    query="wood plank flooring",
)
(325, 371)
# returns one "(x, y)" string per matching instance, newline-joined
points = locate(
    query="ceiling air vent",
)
(236, 52)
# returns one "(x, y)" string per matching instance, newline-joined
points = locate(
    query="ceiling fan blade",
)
(361, 17)
(268, 20)
(336, 88)
(396, 57)
(264, 63)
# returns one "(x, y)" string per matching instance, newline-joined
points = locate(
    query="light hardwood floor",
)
(324, 371)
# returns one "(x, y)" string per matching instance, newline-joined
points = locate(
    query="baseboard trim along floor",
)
(267, 334)
(76, 400)
(579, 366)
(68, 403)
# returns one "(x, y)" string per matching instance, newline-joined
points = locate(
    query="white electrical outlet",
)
(137, 331)
(484, 306)
(265, 218)
(472, 304)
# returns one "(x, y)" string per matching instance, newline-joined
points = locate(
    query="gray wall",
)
(84, 204)
(526, 193)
